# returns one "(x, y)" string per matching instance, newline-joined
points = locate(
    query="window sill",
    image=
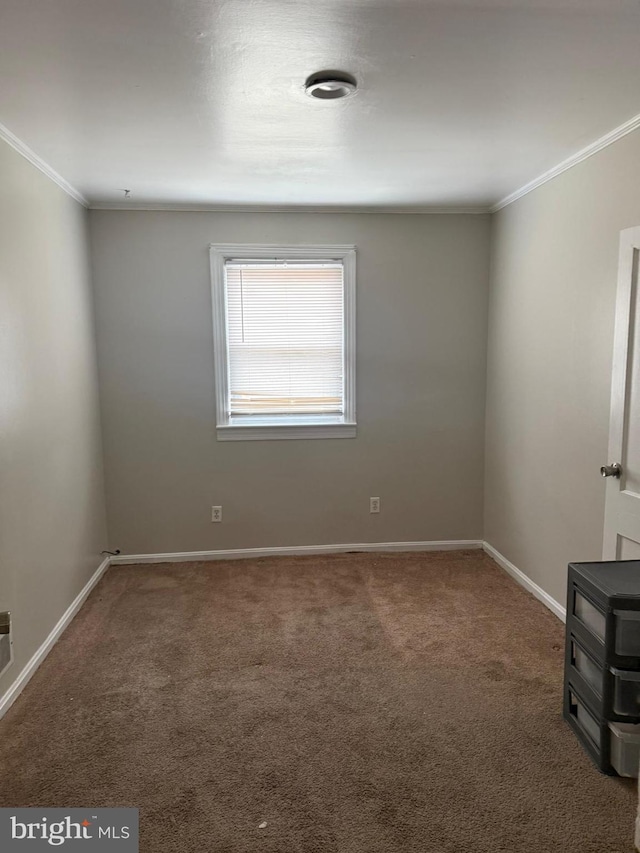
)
(270, 432)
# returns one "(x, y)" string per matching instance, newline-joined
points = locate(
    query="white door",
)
(622, 508)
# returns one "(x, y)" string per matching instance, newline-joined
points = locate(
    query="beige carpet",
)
(360, 703)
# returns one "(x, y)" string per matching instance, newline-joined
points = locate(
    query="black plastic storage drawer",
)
(627, 632)
(587, 667)
(613, 693)
(602, 662)
(592, 730)
(586, 721)
(603, 599)
(589, 615)
(626, 692)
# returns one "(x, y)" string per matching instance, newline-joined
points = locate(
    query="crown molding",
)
(581, 155)
(19, 146)
(297, 209)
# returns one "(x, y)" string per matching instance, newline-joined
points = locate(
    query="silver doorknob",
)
(611, 470)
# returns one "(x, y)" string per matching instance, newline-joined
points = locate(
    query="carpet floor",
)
(357, 703)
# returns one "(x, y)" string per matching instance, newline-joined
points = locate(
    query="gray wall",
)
(52, 515)
(554, 268)
(421, 320)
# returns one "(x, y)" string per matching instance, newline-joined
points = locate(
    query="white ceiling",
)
(200, 102)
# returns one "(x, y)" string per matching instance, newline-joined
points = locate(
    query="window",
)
(284, 341)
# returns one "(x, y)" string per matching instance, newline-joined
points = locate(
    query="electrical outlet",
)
(216, 513)
(374, 504)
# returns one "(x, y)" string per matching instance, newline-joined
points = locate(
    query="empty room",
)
(319, 508)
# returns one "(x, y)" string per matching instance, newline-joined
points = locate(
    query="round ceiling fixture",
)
(330, 85)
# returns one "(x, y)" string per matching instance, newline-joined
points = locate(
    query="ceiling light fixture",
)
(330, 85)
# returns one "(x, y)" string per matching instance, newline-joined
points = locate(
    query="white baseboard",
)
(244, 553)
(554, 606)
(8, 698)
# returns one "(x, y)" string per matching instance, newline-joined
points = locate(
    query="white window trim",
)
(219, 254)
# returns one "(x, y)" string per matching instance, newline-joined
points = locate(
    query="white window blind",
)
(285, 337)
